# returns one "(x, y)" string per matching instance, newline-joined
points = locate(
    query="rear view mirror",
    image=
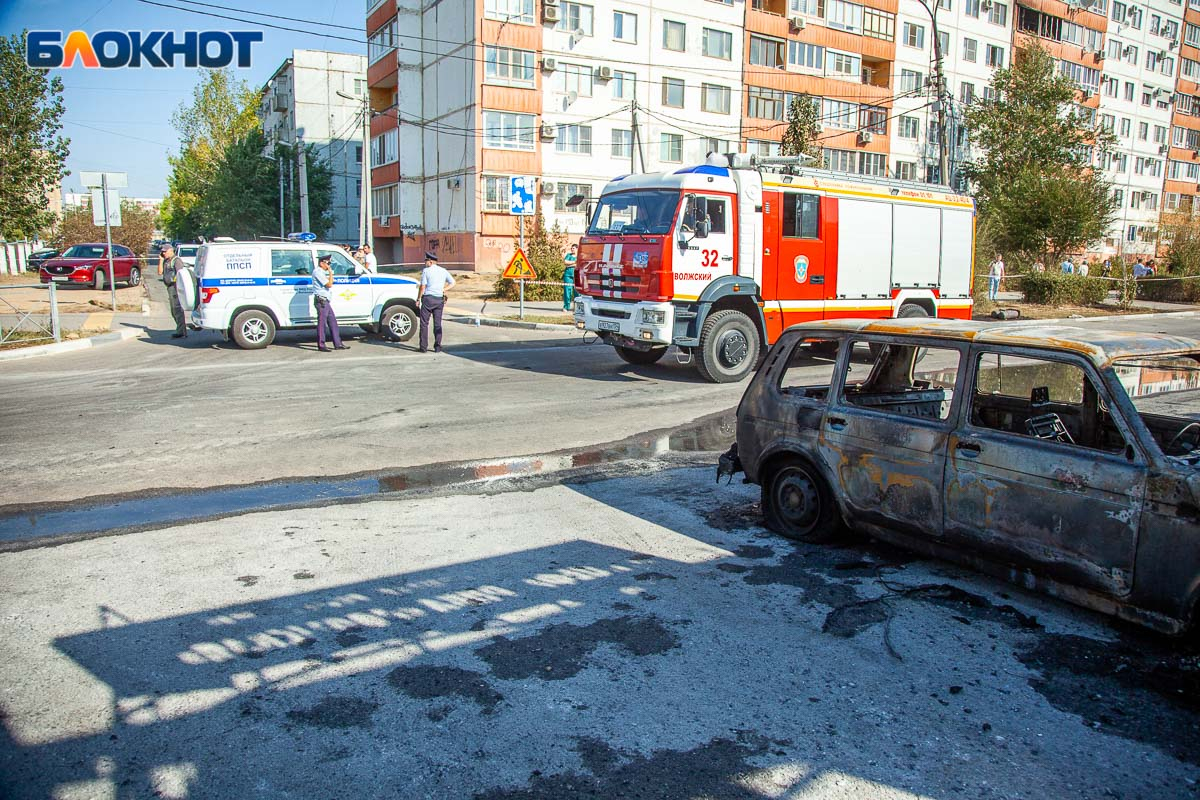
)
(575, 201)
(702, 229)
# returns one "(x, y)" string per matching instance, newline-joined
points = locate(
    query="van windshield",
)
(641, 211)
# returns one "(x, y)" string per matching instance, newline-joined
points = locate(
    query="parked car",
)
(1060, 458)
(88, 264)
(187, 253)
(37, 257)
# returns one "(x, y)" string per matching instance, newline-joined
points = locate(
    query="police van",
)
(249, 290)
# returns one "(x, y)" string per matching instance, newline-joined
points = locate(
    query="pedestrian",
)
(1140, 270)
(1068, 266)
(995, 275)
(1084, 268)
(369, 259)
(1038, 266)
(322, 284)
(569, 276)
(431, 295)
(168, 269)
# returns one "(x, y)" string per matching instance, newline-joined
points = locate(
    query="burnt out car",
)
(1060, 458)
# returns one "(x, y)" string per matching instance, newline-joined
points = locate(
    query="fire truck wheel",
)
(728, 348)
(908, 310)
(640, 357)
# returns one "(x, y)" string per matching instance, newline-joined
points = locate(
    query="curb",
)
(66, 347)
(495, 322)
(1109, 318)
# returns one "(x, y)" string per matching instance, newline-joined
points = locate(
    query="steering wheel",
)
(1175, 439)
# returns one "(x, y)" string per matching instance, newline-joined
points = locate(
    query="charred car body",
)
(1062, 459)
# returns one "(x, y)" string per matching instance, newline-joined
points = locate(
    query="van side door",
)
(353, 293)
(289, 288)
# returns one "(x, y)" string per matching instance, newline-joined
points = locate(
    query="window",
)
(291, 263)
(999, 14)
(504, 130)
(906, 170)
(764, 103)
(873, 119)
(717, 146)
(906, 380)
(1111, 86)
(623, 84)
(1130, 53)
(1147, 99)
(840, 114)
(575, 139)
(1114, 48)
(1160, 134)
(382, 42)
(496, 193)
(971, 8)
(671, 147)
(674, 36)
(504, 65)
(1126, 126)
(872, 164)
(1191, 34)
(509, 10)
(1129, 91)
(1190, 69)
(711, 209)
(575, 17)
(970, 50)
(768, 52)
(844, 65)
(908, 127)
(943, 43)
(624, 26)
(383, 148)
(385, 201)
(800, 215)
(763, 148)
(811, 369)
(622, 143)
(806, 56)
(879, 24)
(672, 92)
(565, 191)
(995, 56)
(914, 35)
(966, 92)
(358, 151)
(574, 78)
(911, 80)
(360, 86)
(844, 16)
(715, 99)
(717, 44)
(812, 8)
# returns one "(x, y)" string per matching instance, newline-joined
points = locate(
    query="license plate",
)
(609, 326)
(57, 278)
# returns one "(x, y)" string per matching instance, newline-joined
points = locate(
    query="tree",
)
(32, 154)
(803, 127)
(1035, 183)
(545, 249)
(135, 232)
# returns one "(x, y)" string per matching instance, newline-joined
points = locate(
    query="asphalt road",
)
(626, 635)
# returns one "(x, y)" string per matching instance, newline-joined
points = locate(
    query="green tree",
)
(803, 128)
(32, 154)
(1034, 182)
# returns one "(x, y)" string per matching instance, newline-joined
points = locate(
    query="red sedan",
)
(88, 264)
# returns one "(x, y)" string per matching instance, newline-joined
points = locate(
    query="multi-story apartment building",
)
(1183, 165)
(306, 100)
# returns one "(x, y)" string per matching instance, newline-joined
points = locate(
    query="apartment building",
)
(305, 100)
(1183, 164)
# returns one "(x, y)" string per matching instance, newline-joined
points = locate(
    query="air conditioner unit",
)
(1100, 55)
(549, 187)
(985, 6)
(550, 14)
(549, 64)
(865, 137)
(385, 222)
(1087, 51)
(453, 183)
(797, 23)
(604, 72)
(549, 132)
(546, 3)
(1087, 94)
(1174, 43)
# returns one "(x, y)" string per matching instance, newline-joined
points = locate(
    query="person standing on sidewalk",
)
(431, 296)
(168, 269)
(569, 276)
(322, 283)
(369, 259)
(995, 275)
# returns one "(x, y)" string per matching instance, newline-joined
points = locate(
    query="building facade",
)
(318, 98)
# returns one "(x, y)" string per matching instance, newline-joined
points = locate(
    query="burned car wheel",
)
(797, 503)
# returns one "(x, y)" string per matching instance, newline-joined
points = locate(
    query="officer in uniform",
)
(431, 296)
(168, 268)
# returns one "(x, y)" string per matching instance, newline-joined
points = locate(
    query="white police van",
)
(249, 290)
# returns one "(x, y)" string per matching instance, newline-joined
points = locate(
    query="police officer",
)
(322, 286)
(431, 296)
(168, 268)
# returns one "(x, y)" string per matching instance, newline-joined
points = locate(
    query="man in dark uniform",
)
(168, 268)
(431, 297)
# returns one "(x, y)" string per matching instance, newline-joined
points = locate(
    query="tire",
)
(98, 279)
(910, 310)
(135, 277)
(399, 323)
(797, 503)
(640, 357)
(729, 347)
(253, 329)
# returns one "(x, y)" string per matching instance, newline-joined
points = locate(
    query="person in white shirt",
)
(369, 259)
(995, 275)
(431, 296)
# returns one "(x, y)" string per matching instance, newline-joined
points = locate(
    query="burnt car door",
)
(886, 435)
(1042, 474)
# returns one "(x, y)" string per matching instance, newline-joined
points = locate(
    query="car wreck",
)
(1063, 459)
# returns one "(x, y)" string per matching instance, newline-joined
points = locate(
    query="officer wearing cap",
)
(322, 283)
(168, 268)
(431, 295)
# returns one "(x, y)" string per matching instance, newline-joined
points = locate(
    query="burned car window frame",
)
(917, 345)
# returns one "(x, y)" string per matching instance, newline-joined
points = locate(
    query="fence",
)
(34, 325)
(14, 257)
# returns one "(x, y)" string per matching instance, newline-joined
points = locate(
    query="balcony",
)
(776, 7)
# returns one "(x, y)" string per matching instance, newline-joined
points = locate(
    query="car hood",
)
(72, 262)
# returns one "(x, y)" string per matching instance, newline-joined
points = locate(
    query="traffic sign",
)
(114, 208)
(521, 190)
(519, 268)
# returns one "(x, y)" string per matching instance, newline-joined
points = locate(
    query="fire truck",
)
(718, 259)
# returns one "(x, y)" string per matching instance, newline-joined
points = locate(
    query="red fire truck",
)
(719, 258)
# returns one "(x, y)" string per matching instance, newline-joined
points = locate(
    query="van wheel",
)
(798, 504)
(399, 323)
(98, 279)
(728, 348)
(253, 330)
(640, 357)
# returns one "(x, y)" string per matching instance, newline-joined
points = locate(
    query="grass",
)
(18, 339)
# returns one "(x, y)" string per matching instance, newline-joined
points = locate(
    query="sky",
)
(119, 120)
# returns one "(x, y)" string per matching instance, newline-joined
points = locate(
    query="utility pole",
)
(302, 159)
(112, 275)
(279, 162)
(633, 135)
(365, 231)
(940, 88)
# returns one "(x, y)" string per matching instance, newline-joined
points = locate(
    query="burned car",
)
(1060, 458)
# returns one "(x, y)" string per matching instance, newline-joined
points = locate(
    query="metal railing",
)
(15, 321)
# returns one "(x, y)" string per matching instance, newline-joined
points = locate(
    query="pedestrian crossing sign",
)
(519, 268)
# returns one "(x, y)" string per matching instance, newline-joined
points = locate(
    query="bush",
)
(1056, 289)
(545, 250)
(1170, 290)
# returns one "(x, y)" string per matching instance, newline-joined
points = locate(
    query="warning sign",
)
(519, 268)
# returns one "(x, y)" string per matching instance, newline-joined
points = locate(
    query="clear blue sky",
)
(120, 119)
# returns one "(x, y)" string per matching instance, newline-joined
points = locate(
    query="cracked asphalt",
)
(629, 633)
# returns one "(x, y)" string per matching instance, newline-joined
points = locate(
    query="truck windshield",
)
(642, 211)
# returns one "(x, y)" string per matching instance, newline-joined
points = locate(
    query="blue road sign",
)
(521, 193)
